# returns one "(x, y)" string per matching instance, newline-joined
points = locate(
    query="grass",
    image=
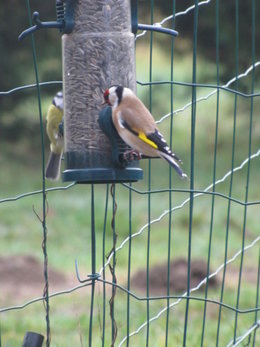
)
(68, 223)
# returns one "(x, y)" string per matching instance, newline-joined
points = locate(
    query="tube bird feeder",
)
(98, 53)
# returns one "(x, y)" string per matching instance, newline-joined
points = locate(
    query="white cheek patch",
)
(58, 100)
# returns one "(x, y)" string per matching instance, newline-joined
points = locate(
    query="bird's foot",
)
(132, 155)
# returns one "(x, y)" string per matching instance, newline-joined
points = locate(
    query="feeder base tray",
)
(102, 175)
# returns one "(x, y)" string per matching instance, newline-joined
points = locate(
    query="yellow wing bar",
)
(143, 137)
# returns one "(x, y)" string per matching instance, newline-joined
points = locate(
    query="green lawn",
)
(69, 234)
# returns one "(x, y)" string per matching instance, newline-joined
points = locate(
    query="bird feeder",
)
(98, 53)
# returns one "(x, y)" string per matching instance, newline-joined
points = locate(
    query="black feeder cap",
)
(32, 339)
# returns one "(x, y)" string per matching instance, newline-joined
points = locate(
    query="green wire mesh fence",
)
(165, 262)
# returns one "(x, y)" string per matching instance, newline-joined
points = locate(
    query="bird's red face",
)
(106, 97)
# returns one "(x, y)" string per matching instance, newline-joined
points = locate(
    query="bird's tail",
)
(52, 171)
(172, 161)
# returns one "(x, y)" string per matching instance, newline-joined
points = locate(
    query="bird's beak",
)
(106, 98)
(106, 101)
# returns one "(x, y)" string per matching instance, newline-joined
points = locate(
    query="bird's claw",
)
(132, 155)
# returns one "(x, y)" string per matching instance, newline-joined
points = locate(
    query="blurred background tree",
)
(207, 30)
(16, 57)
(16, 67)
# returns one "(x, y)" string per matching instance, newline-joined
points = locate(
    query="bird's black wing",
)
(158, 139)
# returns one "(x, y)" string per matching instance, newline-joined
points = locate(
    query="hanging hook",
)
(156, 27)
(39, 25)
(91, 277)
(65, 19)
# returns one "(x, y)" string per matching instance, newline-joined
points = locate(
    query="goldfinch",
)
(136, 126)
(55, 133)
